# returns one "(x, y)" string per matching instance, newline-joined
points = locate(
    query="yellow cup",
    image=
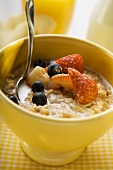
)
(59, 10)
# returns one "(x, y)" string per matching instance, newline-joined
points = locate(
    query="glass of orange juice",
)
(53, 16)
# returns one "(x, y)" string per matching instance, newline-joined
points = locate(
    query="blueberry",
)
(50, 62)
(14, 99)
(39, 99)
(37, 86)
(40, 62)
(54, 69)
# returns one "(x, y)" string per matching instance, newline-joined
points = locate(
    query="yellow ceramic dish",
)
(47, 140)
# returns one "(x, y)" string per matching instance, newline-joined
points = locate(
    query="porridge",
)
(66, 94)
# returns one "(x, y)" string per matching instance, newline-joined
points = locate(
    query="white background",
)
(80, 20)
(81, 17)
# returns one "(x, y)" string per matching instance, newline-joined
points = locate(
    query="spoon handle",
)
(30, 21)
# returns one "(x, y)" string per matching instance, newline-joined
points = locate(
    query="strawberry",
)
(73, 61)
(63, 80)
(85, 88)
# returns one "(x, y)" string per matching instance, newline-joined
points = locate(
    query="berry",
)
(39, 99)
(54, 69)
(85, 88)
(14, 99)
(50, 62)
(37, 86)
(63, 80)
(40, 62)
(73, 61)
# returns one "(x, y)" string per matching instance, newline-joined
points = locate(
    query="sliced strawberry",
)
(85, 88)
(63, 80)
(73, 61)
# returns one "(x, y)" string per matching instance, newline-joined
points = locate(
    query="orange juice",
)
(60, 10)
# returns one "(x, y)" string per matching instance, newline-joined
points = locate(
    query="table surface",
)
(98, 155)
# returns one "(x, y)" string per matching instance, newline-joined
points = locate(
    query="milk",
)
(101, 24)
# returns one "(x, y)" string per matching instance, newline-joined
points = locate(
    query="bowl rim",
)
(47, 118)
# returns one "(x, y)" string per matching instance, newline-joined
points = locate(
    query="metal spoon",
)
(30, 21)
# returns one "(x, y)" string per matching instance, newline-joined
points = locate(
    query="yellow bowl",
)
(55, 141)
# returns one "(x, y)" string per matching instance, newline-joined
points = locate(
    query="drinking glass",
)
(60, 11)
(51, 17)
